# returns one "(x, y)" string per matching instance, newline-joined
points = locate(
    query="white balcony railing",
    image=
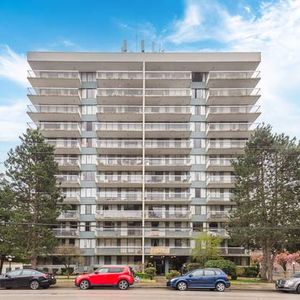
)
(167, 144)
(119, 213)
(226, 144)
(167, 126)
(64, 143)
(233, 109)
(232, 92)
(216, 162)
(103, 126)
(168, 92)
(68, 178)
(115, 178)
(69, 214)
(177, 75)
(119, 92)
(120, 161)
(53, 92)
(63, 109)
(119, 75)
(221, 179)
(228, 127)
(166, 178)
(59, 126)
(138, 126)
(167, 161)
(219, 196)
(61, 232)
(167, 196)
(217, 215)
(148, 109)
(119, 144)
(233, 75)
(67, 161)
(116, 109)
(51, 74)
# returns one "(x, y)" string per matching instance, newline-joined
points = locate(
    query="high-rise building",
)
(144, 143)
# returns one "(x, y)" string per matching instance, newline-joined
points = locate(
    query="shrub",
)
(240, 271)
(192, 266)
(172, 274)
(151, 272)
(251, 271)
(142, 275)
(227, 266)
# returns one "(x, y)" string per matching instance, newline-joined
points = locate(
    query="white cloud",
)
(13, 66)
(13, 120)
(275, 32)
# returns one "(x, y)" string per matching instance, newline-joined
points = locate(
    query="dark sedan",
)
(26, 278)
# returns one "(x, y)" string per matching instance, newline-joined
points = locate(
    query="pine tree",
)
(31, 173)
(267, 212)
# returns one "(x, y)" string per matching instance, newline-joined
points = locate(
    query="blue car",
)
(210, 278)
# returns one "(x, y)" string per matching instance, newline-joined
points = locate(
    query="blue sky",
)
(271, 26)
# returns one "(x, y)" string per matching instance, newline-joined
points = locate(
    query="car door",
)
(209, 278)
(25, 277)
(113, 275)
(99, 277)
(195, 279)
(12, 279)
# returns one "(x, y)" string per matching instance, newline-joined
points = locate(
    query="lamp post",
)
(9, 258)
(293, 265)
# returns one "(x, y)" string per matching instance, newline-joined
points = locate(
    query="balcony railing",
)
(221, 179)
(233, 109)
(50, 74)
(167, 126)
(228, 126)
(232, 92)
(166, 178)
(167, 196)
(69, 214)
(218, 232)
(120, 161)
(233, 250)
(164, 214)
(217, 215)
(119, 126)
(119, 178)
(148, 109)
(119, 75)
(68, 178)
(53, 92)
(119, 92)
(216, 162)
(67, 161)
(168, 161)
(116, 109)
(233, 75)
(59, 126)
(119, 214)
(64, 143)
(63, 109)
(219, 196)
(227, 144)
(167, 144)
(119, 144)
(168, 92)
(138, 126)
(169, 75)
(61, 232)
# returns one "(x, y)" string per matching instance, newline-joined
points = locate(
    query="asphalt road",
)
(138, 294)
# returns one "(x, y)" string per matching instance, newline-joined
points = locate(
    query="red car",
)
(120, 276)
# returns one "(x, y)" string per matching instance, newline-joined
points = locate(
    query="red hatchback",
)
(120, 276)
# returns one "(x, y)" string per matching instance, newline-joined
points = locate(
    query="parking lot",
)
(137, 294)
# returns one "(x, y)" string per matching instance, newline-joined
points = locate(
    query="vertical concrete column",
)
(167, 265)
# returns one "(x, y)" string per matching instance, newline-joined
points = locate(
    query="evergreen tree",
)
(267, 212)
(31, 173)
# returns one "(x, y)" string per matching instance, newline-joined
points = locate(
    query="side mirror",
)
(190, 275)
(7, 276)
(96, 272)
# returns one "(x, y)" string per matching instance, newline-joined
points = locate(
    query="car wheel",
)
(34, 285)
(123, 285)
(220, 287)
(181, 286)
(84, 285)
(298, 289)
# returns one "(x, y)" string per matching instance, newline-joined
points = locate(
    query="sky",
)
(271, 27)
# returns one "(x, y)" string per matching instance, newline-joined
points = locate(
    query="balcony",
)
(220, 181)
(54, 78)
(167, 164)
(125, 79)
(233, 79)
(218, 232)
(167, 147)
(217, 216)
(68, 163)
(54, 113)
(182, 181)
(224, 147)
(119, 181)
(123, 147)
(159, 197)
(69, 215)
(130, 96)
(120, 113)
(165, 251)
(168, 130)
(165, 96)
(115, 250)
(66, 232)
(71, 198)
(232, 96)
(171, 79)
(128, 197)
(246, 113)
(67, 146)
(219, 198)
(168, 113)
(120, 163)
(118, 214)
(60, 129)
(118, 232)
(219, 164)
(119, 130)
(167, 215)
(232, 251)
(69, 180)
(230, 130)
(41, 96)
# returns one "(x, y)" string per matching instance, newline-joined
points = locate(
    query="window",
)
(197, 273)
(119, 260)
(89, 109)
(88, 93)
(178, 243)
(107, 261)
(197, 77)
(88, 76)
(14, 273)
(87, 226)
(89, 176)
(28, 273)
(115, 270)
(104, 270)
(209, 273)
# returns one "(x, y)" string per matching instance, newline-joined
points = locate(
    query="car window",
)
(209, 273)
(14, 273)
(197, 273)
(103, 270)
(27, 272)
(115, 270)
(218, 272)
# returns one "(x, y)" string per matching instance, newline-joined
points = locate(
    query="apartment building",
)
(144, 143)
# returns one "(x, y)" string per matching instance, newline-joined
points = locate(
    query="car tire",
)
(123, 284)
(220, 287)
(181, 286)
(298, 289)
(84, 284)
(34, 285)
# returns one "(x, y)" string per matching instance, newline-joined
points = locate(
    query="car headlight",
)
(289, 283)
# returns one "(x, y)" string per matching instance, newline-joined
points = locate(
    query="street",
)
(137, 294)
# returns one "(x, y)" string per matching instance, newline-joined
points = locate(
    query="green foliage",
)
(227, 266)
(31, 179)
(251, 272)
(267, 210)
(193, 266)
(206, 248)
(142, 275)
(172, 274)
(151, 272)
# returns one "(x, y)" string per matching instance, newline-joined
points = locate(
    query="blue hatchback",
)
(201, 279)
